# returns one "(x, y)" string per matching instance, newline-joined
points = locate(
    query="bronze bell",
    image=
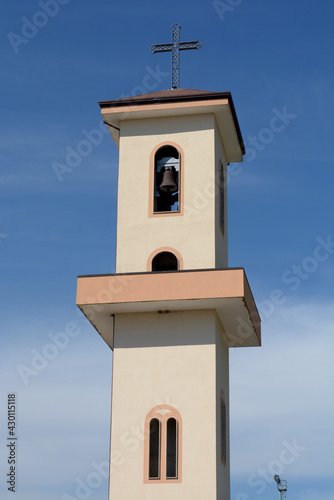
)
(168, 184)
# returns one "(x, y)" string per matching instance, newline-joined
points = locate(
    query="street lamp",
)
(282, 486)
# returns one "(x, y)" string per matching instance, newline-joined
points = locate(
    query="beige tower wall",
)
(174, 362)
(154, 364)
(192, 234)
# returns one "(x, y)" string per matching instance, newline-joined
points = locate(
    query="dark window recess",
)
(154, 449)
(171, 464)
(166, 179)
(222, 198)
(164, 261)
(223, 429)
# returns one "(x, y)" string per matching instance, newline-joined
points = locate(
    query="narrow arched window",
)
(222, 197)
(166, 180)
(164, 261)
(171, 448)
(223, 429)
(154, 449)
(163, 445)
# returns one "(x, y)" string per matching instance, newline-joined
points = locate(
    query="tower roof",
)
(166, 95)
(179, 101)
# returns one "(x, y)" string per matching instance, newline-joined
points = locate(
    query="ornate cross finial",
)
(175, 48)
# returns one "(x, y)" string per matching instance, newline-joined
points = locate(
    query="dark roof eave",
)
(163, 97)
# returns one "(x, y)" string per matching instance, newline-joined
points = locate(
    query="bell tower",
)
(173, 308)
(181, 137)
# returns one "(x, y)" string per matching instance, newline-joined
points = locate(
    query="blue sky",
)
(276, 59)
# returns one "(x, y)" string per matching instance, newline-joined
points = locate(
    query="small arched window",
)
(223, 429)
(166, 180)
(165, 261)
(163, 428)
(221, 196)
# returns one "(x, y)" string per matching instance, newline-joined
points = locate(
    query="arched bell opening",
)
(165, 261)
(166, 179)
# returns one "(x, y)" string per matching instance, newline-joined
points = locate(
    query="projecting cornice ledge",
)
(227, 291)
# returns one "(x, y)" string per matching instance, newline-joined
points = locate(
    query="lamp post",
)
(282, 486)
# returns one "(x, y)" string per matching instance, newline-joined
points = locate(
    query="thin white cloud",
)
(280, 393)
(63, 415)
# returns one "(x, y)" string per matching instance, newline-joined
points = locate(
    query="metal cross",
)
(175, 48)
